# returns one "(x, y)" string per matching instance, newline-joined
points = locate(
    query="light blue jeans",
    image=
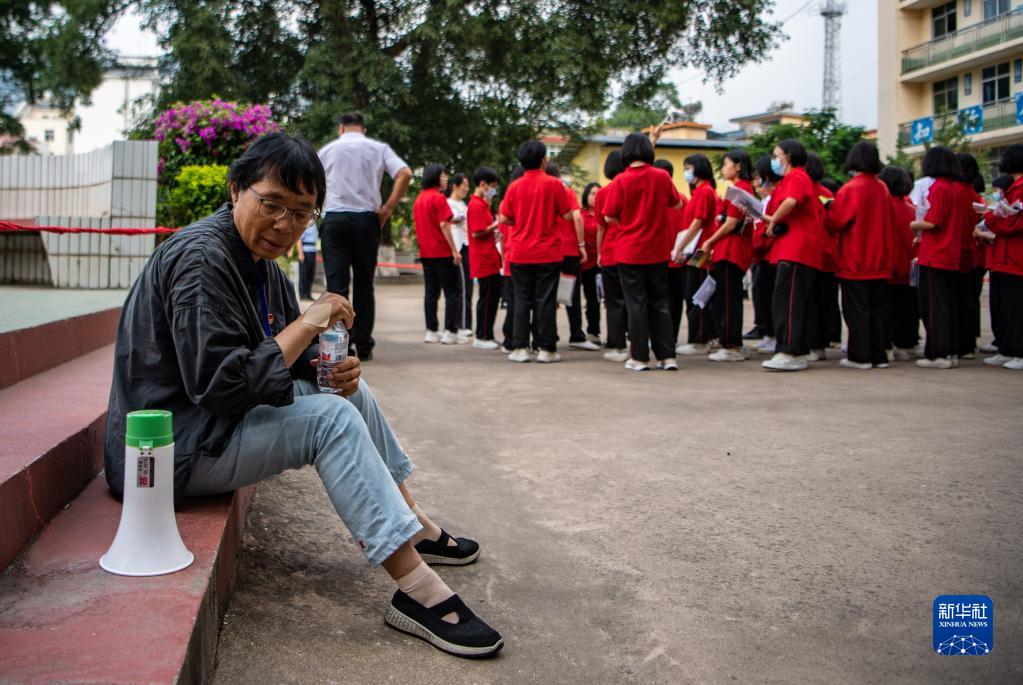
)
(352, 447)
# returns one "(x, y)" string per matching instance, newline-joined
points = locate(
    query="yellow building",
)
(940, 59)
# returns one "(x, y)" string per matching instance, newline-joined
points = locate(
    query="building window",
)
(996, 83)
(968, 84)
(1018, 69)
(994, 8)
(967, 8)
(944, 19)
(946, 96)
(48, 135)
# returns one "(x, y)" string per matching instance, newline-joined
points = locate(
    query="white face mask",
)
(997, 195)
(490, 193)
(689, 176)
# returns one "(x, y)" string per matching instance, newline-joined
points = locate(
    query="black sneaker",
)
(440, 552)
(753, 334)
(471, 637)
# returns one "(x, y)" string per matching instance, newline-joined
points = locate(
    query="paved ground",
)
(24, 306)
(718, 524)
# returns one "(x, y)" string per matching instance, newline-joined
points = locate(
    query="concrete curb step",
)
(63, 619)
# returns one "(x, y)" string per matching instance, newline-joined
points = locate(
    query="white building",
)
(46, 129)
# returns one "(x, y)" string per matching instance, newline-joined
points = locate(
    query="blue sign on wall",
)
(1019, 108)
(922, 131)
(971, 119)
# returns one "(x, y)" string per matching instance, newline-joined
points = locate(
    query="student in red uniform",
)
(763, 272)
(639, 200)
(507, 291)
(676, 271)
(702, 211)
(531, 207)
(1000, 190)
(941, 248)
(484, 259)
(797, 253)
(1006, 264)
(607, 235)
(441, 259)
(589, 267)
(861, 217)
(902, 317)
(971, 267)
(731, 251)
(825, 289)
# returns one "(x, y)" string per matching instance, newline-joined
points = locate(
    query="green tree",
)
(823, 133)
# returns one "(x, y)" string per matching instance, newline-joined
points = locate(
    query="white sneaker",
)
(595, 339)
(988, 349)
(890, 355)
(462, 340)
(714, 345)
(667, 364)
(616, 355)
(784, 362)
(849, 364)
(464, 333)
(900, 354)
(691, 349)
(817, 356)
(940, 363)
(545, 357)
(520, 355)
(766, 346)
(634, 365)
(727, 355)
(485, 344)
(1016, 364)
(883, 365)
(432, 337)
(919, 351)
(997, 360)
(955, 361)
(448, 338)
(584, 345)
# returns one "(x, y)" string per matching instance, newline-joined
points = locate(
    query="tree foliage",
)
(823, 133)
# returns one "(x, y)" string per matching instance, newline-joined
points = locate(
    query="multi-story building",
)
(947, 63)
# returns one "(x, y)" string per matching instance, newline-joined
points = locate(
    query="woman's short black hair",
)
(941, 162)
(971, 171)
(794, 150)
(1003, 182)
(587, 191)
(701, 167)
(637, 148)
(666, 165)
(1012, 160)
(454, 182)
(552, 169)
(864, 158)
(613, 164)
(762, 168)
(484, 174)
(898, 180)
(532, 153)
(431, 176)
(740, 158)
(814, 167)
(831, 184)
(516, 173)
(290, 160)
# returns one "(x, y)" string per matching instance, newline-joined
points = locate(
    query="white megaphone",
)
(147, 541)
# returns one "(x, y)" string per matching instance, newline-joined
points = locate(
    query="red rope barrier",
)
(10, 226)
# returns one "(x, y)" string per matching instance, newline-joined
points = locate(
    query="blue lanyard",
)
(264, 310)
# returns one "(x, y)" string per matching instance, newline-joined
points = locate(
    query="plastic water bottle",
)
(333, 350)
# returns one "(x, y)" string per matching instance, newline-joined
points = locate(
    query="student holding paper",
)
(763, 272)
(677, 222)
(702, 214)
(1001, 186)
(902, 317)
(607, 237)
(1006, 262)
(484, 259)
(731, 250)
(639, 200)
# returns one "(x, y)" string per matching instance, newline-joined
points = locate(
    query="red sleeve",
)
(705, 205)
(443, 209)
(476, 217)
(612, 202)
(507, 208)
(797, 189)
(840, 214)
(571, 197)
(941, 205)
(673, 197)
(562, 202)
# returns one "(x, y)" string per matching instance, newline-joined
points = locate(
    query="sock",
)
(425, 586)
(430, 531)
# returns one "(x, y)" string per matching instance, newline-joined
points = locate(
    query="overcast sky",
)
(792, 72)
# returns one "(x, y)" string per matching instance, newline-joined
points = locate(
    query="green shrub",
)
(197, 192)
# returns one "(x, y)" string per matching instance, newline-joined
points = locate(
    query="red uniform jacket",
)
(1006, 254)
(484, 259)
(429, 211)
(736, 247)
(861, 216)
(639, 198)
(903, 213)
(804, 243)
(950, 211)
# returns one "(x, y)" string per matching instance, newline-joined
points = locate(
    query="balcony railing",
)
(994, 31)
(997, 115)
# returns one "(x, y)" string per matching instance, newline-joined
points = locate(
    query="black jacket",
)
(190, 341)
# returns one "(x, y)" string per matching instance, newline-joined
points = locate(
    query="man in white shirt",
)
(354, 217)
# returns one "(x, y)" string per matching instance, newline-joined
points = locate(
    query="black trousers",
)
(902, 317)
(440, 273)
(350, 242)
(588, 278)
(726, 304)
(763, 295)
(676, 298)
(487, 305)
(646, 303)
(792, 307)
(863, 304)
(1010, 312)
(508, 296)
(937, 297)
(465, 288)
(614, 303)
(828, 318)
(969, 288)
(536, 289)
(995, 306)
(699, 320)
(306, 274)
(571, 266)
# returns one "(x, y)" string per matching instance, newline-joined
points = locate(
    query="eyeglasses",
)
(301, 218)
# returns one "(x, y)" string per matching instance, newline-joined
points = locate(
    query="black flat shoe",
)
(753, 334)
(440, 552)
(471, 637)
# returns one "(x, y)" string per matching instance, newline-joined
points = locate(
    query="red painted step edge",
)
(28, 351)
(63, 619)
